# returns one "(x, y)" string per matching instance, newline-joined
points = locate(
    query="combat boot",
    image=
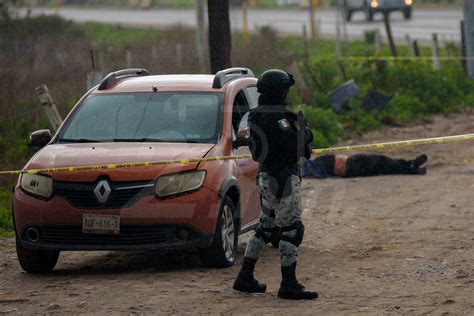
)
(290, 289)
(245, 281)
(415, 165)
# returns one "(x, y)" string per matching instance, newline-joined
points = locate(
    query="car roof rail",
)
(224, 76)
(115, 76)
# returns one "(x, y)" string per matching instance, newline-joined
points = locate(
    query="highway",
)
(445, 22)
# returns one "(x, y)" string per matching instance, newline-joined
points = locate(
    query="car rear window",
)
(162, 117)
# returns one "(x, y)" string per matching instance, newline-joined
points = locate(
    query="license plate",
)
(101, 224)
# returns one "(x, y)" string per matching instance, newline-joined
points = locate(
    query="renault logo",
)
(102, 191)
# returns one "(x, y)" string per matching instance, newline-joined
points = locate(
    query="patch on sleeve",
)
(284, 124)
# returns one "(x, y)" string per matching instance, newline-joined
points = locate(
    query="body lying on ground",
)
(361, 165)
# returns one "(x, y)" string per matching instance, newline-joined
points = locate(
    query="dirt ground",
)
(379, 245)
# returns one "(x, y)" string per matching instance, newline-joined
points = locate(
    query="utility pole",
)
(200, 34)
(469, 35)
(220, 44)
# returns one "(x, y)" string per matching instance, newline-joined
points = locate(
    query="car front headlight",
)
(408, 2)
(38, 185)
(178, 183)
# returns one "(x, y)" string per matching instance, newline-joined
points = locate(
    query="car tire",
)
(369, 14)
(36, 261)
(407, 13)
(223, 250)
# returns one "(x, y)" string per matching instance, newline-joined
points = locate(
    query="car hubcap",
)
(227, 231)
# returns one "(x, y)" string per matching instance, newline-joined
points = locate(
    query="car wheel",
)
(223, 250)
(36, 261)
(369, 14)
(407, 13)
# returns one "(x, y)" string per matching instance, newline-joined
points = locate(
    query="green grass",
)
(178, 4)
(324, 48)
(116, 36)
(6, 233)
(6, 222)
(418, 91)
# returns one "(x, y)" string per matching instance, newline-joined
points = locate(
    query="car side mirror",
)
(40, 138)
(243, 136)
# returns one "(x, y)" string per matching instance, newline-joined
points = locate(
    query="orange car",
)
(134, 117)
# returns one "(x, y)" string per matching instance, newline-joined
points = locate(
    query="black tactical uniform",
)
(278, 140)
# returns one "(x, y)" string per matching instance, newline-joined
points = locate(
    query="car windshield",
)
(146, 117)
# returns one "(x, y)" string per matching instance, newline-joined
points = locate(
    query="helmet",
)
(275, 83)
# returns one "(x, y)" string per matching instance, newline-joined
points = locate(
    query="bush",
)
(437, 90)
(469, 100)
(370, 35)
(325, 70)
(367, 124)
(418, 91)
(325, 125)
(6, 221)
(406, 109)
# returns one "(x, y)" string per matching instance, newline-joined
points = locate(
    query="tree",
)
(219, 34)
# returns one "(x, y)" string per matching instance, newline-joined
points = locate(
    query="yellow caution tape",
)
(426, 141)
(403, 58)
(125, 165)
(405, 143)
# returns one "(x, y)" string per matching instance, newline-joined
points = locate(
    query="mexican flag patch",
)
(284, 124)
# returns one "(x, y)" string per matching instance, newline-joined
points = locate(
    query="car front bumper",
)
(187, 221)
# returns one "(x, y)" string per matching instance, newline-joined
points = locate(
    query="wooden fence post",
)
(416, 48)
(469, 35)
(388, 29)
(435, 49)
(463, 49)
(179, 54)
(94, 77)
(377, 42)
(305, 44)
(49, 107)
(245, 21)
(410, 44)
(128, 58)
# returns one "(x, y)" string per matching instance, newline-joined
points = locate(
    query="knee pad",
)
(266, 234)
(293, 233)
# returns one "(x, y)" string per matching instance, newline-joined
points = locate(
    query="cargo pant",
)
(277, 215)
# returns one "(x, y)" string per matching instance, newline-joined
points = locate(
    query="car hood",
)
(90, 154)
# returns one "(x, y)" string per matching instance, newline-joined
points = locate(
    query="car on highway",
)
(371, 7)
(133, 117)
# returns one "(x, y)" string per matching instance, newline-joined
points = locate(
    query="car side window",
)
(252, 96)
(239, 109)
